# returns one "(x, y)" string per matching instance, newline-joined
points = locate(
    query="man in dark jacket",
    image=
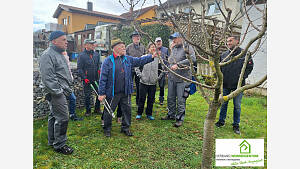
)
(57, 80)
(164, 54)
(88, 66)
(116, 85)
(231, 74)
(136, 49)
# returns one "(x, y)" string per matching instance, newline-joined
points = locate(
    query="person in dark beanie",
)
(231, 74)
(116, 85)
(56, 82)
(136, 49)
(88, 66)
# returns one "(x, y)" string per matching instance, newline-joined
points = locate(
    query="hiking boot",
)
(127, 132)
(107, 133)
(102, 123)
(75, 118)
(161, 102)
(178, 123)
(138, 117)
(150, 117)
(167, 117)
(219, 124)
(88, 113)
(66, 150)
(236, 129)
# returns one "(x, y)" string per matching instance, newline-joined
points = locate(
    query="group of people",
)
(113, 80)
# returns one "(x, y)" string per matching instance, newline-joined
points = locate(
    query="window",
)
(64, 21)
(187, 10)
(213, 8)
(79, 39)
(90, 36)
(69, 20)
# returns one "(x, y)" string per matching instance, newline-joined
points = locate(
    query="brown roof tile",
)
(139, 12)
(84, 11)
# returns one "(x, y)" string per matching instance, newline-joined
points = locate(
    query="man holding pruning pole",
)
(88, 65)
(115, 84)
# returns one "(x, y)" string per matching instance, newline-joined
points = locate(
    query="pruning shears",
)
(106, 105)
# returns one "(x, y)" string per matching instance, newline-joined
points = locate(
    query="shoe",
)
(138, 117)
(219, 124)
(75, 118)
(161, 102)
(107, 133)
(127, 132)
(167, 118)
(119, 120)
(97, 112)
(236, 129)
(88, 113)
(102, 123)
(66, 150)
(150, 117)
(178, 123)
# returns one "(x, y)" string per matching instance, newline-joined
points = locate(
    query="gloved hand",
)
(86, 81)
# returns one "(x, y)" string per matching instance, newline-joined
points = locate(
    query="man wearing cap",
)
(136, 49)
(56, 81)
(180, 64)
(115, 84)
(88, 65)
(164, 54)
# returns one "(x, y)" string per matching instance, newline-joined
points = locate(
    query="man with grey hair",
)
(57, 80)
(179, 63)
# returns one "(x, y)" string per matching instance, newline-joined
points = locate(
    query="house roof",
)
(138, 12)
(72, 9)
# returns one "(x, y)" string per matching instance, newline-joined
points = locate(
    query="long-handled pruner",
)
(106, 105)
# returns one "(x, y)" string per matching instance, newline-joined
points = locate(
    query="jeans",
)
(237, 107)
(72, 104)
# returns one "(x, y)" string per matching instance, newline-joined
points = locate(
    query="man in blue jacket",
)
(231, 74)
(88, 66)
(116, 84)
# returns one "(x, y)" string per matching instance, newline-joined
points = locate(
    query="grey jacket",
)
(178, 56)
(135, 51)
(55, 75)
(149, 75)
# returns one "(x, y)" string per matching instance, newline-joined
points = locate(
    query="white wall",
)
(260, 58)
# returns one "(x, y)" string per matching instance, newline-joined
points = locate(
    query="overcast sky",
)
(43, 10)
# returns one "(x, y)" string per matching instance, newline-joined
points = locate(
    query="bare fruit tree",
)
(212, 34)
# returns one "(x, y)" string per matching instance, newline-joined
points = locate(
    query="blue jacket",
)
(107, 76)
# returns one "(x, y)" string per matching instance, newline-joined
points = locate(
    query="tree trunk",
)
(209, 136)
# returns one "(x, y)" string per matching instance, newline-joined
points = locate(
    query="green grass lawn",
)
(155, 144)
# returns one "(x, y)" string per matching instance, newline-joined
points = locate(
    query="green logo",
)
(245, 147)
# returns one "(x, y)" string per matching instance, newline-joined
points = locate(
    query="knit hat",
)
(115, 42)
(56, 34)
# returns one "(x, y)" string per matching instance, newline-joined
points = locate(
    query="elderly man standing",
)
(164, 54)
(176, 86)
(57, 80)
(136, 49)
(116, 85)
(88, 65)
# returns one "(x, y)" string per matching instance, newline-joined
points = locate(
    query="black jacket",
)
(88, 67)
(231, 72)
